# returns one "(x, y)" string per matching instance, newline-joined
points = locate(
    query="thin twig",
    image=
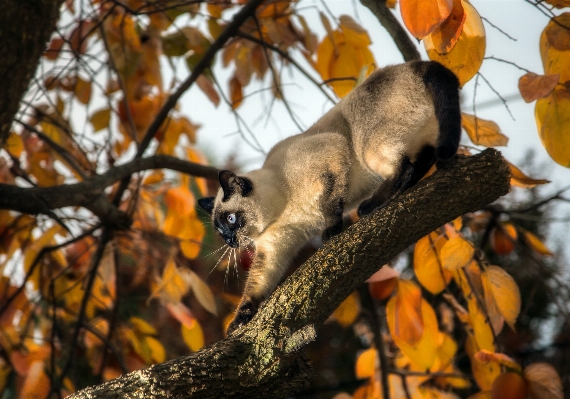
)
(499, 29)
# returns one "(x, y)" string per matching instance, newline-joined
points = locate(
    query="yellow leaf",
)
(348, 310)
(554, 49)
(180, 201)
(201, 291)
(552, 115)
(543, 381)
(193, 336)
(519, 179)
(172, 286)
(423, 353)
(192, 234)
(141, 326)
(456, 253)
(428, 264)
(536, 243)
(506, 293)
(495, 317)
(32, 252)
(341, 56)
(484, 374)
(100, 119)
(482, 395)
(482, 331)
(483, 132)
(467, 55)
(366, 364)
(157, 352)
(421, 17)
(14, 144)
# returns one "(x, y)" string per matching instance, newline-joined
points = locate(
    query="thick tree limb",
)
(89, 193)
(263, 359)
(391, 24)
(25, 27)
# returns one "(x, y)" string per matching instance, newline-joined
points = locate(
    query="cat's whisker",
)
(219, 260)
(212, 253)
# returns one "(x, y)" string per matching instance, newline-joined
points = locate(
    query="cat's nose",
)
(232, 242)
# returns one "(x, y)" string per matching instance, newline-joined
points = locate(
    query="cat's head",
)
(234, 210)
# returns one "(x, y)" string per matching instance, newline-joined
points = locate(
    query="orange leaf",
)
(485, 356)
(421, 17)
(505, 292)
(409, 324)
(82, 90)
(445, 35)
(181, 313)
(14, 144)
(366, 364)
(536, 243)
(36, 383)
(466, 57)
(456, 253)
(385, 273)
(54, 48)
(205, 84)
(348, 310)
(557, 34)
(483, 132)
(553, 121)
(533, 86)
(559, 3)
(519, 179)
(236, 95)
(423, 353)
(543, 381)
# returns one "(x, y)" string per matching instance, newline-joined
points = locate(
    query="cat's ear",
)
(207, 204)
(231, 183)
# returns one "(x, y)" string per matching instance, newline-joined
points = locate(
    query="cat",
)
(375, 143)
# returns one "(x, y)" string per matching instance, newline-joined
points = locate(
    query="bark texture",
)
(265, 358)
(25, 28)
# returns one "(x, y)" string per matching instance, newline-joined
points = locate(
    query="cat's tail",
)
(443, 86)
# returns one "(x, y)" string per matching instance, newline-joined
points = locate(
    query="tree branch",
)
(26, 28)
(90, 192)
(391, 24)
(263, 359)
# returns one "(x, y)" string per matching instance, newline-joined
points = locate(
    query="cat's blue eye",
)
(231, 218)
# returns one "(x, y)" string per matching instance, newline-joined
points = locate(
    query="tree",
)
(101, 258)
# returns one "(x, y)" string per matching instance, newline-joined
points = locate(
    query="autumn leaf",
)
(342, 54)
(236, 94)
(201, 291)
(485, 356)
(366, 364)
(171, 286)
(505, 292)
(428, 265)
(193, 336)
(543, 381)
(467, 55)
(348, 310)
(533, 86)
(536, 243)
(519, 179)
(445, 35)
(82, 89)
(483, 132)
(553, 121)
(100, 119)
(484, 374)
(422, 320)
(456, 253)
(422, 17)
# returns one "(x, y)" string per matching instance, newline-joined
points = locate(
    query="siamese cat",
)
(375, 143)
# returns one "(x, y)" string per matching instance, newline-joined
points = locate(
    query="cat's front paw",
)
(244, 314)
